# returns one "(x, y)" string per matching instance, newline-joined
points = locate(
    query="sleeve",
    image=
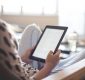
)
(11, 65)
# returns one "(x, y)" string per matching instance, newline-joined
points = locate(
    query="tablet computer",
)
(50, 39)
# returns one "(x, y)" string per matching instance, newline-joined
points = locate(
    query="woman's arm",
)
(50, 63)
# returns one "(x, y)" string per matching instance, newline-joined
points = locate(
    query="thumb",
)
(50, 53)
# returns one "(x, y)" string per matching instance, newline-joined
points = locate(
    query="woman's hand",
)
(26, 55)
(52, 59)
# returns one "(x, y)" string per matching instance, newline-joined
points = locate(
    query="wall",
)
(42, 21)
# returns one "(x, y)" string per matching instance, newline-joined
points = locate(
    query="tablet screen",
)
(49, 41)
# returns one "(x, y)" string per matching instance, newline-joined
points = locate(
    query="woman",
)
(11, 65)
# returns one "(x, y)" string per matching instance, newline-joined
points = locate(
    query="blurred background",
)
(70, 13)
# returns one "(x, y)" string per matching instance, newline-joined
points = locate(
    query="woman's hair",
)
(11, 65)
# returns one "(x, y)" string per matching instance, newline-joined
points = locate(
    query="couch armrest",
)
(73, 72)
